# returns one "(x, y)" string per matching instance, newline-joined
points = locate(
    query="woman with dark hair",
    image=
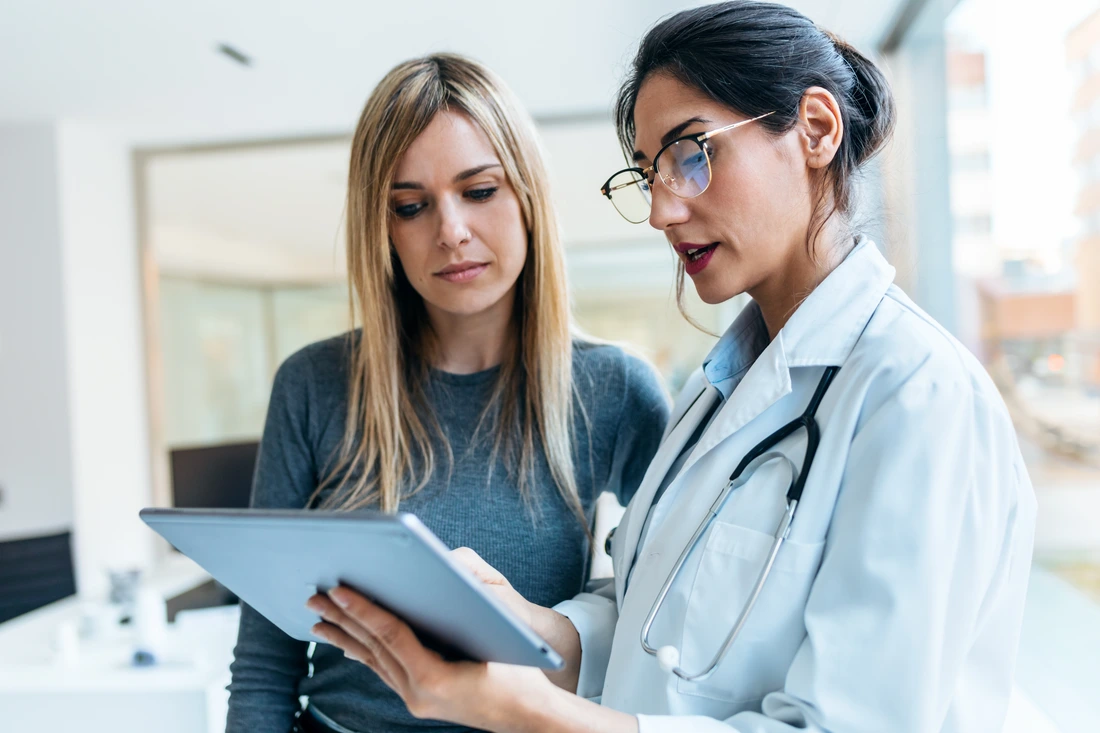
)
(877, 588)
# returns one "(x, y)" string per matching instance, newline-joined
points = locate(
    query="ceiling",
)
(152, 68)
(152, 74)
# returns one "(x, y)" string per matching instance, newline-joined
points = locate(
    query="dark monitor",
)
(214, 476)
(210, 477)
(35, 571)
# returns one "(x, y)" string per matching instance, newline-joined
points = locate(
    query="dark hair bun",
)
(871, 116)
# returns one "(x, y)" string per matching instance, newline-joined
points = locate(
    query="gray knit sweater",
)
(541, 547)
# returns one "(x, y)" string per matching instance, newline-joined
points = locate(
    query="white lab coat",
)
(896, 604)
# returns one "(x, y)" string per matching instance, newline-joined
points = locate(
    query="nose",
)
(666, 208)
(453, 228)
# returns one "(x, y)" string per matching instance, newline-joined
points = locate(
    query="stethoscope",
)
(669, 656)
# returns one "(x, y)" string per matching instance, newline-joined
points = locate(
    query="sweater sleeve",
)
(268, 665)
(642, 420)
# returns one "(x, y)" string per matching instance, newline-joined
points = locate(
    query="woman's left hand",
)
(475, 694)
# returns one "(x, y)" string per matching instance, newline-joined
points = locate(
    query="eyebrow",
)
(468, 173)
(672, 134)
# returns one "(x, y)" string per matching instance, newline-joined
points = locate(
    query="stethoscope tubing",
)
(805, 421)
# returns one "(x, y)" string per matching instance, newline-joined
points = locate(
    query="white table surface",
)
(99, 689)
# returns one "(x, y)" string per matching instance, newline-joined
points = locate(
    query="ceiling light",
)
(237, 56)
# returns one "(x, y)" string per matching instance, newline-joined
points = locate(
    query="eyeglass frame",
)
(651, 173)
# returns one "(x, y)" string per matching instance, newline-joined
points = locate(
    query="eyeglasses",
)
(683, 165)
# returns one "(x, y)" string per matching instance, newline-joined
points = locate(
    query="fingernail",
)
(337, 596)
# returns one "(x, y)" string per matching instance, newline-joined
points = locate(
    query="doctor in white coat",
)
(894, 603)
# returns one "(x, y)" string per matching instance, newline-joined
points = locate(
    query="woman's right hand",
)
(552, 626)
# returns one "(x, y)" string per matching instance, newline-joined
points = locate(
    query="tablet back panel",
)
(275, 560)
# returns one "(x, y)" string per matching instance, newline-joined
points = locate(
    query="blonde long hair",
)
(385, 440)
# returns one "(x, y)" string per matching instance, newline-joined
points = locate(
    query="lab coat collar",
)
(825, 328)
(702, 397)
(821, 333)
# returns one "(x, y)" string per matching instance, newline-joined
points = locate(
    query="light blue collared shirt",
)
(741, 345)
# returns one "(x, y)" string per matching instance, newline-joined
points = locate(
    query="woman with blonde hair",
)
(465, 397)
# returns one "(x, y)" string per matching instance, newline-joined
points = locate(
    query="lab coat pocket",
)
(729, 565)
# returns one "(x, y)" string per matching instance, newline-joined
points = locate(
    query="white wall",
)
(73, 427)
(106, 364)
(35, 463)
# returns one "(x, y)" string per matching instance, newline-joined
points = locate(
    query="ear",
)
(821, 128)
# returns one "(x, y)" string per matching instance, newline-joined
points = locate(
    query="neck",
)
(466, 344)
(780, 295)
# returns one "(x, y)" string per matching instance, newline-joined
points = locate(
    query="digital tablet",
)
(274, 560)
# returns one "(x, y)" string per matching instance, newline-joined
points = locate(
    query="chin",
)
(713, 293)
(708, 295)
(466, 306)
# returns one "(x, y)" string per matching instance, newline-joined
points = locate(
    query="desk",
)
(101, 692)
